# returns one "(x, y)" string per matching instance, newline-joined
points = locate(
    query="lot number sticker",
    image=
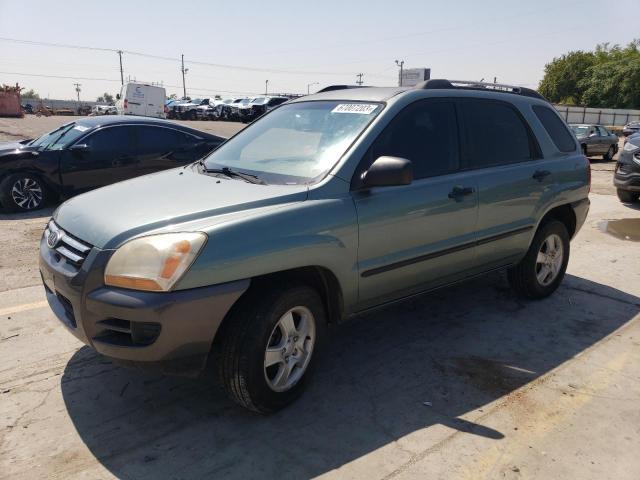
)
(362, 108)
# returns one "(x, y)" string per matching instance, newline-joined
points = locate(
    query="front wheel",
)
(542, 269)
(607, 157)
(22, 192)
(268, 346)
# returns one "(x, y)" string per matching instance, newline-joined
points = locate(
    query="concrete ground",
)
(467, 382)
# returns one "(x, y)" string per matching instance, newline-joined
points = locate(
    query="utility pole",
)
(78, 90)
(359, 81)
(495, 79)
(400, 63)
(183, 70)
(266, 86)
(311, 84)
(121, 72)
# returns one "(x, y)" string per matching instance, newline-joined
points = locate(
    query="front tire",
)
(542, 269)
(23, 192)
(627, 197)
(269, 345)
(607, 157)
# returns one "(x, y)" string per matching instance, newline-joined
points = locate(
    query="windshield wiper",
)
(247, 177)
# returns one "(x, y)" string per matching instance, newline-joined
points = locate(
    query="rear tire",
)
(23, 192)
(542, 269)
(263, 365)
(627, 197)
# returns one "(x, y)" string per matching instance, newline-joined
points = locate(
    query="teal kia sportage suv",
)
(327, 206)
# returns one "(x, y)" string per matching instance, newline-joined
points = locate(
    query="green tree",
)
(105, 98)
(562, 81)
(30, 94)
(608, 77)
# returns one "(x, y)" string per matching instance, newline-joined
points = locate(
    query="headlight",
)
(153, 263)
(630, 147)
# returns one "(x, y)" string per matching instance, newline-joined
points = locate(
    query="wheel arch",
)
(563, 213)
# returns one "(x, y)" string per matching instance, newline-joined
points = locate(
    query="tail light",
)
(126, 103)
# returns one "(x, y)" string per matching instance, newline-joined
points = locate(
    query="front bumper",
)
(171, 332)
(629, 181)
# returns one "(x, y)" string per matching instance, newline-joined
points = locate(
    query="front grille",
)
(71, 248)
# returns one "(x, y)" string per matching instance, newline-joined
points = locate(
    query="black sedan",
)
(91, 153)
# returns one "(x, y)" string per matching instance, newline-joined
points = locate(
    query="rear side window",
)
(556, 128)
(426, 132)
(495, 133)
(157, 140)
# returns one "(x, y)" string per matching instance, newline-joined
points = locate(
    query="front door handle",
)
(540, 174)
(459, 192)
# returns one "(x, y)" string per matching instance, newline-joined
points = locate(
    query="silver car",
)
(596, 140)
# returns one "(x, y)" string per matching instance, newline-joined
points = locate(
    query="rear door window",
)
(556, 128)
(157, 140)
(426, 132)
(495, 134)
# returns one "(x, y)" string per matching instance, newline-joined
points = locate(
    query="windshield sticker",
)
(82, 128)
(362, 108)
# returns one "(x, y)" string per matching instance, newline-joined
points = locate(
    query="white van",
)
(141, 99)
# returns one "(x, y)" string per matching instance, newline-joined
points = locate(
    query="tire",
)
(524, 277)
(607, 157)
(23, 192)
(627, 197)
(253, 325)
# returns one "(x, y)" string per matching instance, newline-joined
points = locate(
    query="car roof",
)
(101, 121)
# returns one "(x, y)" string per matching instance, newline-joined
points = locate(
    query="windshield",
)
(580, 130)
(297, 143)
(60, 137)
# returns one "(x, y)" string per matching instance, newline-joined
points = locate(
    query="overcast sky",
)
(312, 41)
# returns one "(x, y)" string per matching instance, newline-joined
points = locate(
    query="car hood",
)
(172, 200)
(10, 147)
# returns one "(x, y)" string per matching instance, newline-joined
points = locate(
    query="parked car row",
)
(239, 109)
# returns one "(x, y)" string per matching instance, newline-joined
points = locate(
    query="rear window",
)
(496, 134)
(556, 128)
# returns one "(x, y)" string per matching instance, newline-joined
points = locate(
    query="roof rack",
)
(331, 88)
(437, 84)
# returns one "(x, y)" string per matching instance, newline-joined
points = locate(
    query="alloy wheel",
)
(289, 349)
(549, 260)
(27, 193)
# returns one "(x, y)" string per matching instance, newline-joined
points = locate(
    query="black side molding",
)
(446, 251)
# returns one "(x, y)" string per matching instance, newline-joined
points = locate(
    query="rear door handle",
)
(540, 174)
(458, 192)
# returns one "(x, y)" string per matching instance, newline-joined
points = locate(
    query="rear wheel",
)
(607, 157)
(542, 269)
(22, 192)
(627, 197)
(268, 346)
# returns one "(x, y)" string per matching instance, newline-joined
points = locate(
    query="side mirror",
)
(388, 172)
(79, 148)
(117, 96)
(594, 134)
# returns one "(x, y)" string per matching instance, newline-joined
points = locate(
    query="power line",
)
(176, 59)
(62, 77)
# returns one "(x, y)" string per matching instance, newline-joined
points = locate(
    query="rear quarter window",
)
(556, 128)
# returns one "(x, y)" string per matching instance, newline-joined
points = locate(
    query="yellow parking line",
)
(22, 308)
